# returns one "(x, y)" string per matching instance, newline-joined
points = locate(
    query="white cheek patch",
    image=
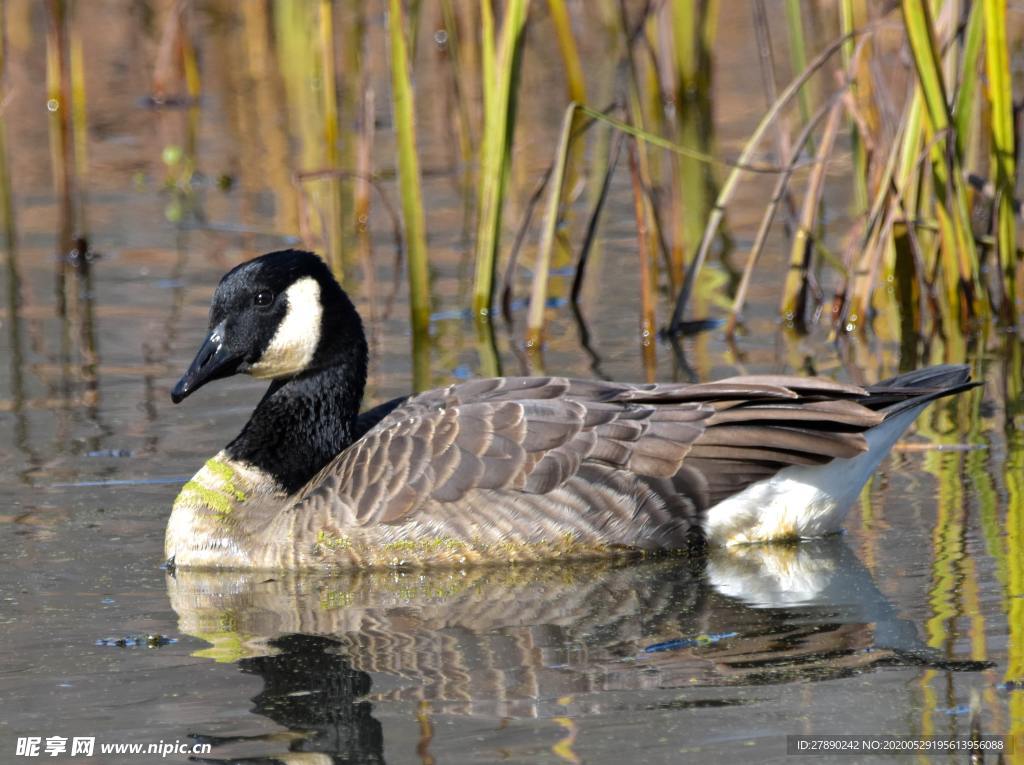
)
(292, 348)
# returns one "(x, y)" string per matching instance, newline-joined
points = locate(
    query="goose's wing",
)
(531, 434)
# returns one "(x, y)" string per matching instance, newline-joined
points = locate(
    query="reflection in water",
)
(310, 688)
(73, 277)
(515, 642)
(828, 579)
(13, 301)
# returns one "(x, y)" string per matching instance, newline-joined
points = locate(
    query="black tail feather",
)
(914, 389)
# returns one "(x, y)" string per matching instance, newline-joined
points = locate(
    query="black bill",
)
(212, 361)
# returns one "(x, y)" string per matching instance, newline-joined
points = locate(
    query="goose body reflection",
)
(516, 642)
(504, 469)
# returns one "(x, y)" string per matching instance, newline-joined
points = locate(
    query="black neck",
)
(302, 423)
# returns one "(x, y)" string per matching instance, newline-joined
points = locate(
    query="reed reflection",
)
(13, 296)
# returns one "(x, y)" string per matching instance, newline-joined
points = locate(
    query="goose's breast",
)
(218, 515)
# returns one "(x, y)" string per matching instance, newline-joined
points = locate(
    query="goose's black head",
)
(277, 317)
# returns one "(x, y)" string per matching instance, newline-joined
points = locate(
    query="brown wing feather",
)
(526, 434)
(532, 434)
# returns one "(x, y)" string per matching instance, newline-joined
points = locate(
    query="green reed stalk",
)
(189, 60)
(967, 88)
(575, 82)
(850, 13)
(354, 80)
(500, 75)
(907, 181)
(294, 25)
(576, 88)
(265, 97)
(412, 200)
(798, 56)
(1000, 94)
(538, 292)
(708, 35)
(79, 118)
(189, 63)
(9, 225)
(54, 91)
(959, 255)
(685, 30)
(16, 355)
(690, 188)
(919, 27)
(333, 234)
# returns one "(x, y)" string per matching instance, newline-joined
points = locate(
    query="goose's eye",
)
(263, 298)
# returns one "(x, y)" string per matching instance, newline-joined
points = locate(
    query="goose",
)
(504, 469)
